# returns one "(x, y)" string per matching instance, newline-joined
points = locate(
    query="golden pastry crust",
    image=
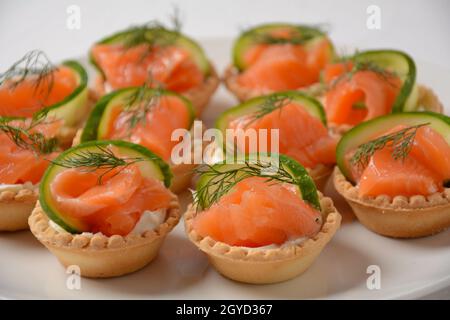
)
(400, 216)
(16, 205)
(266, 265)
(97, 255)
(428, 100)
(230, 77)
(199, 96)
(320, 174)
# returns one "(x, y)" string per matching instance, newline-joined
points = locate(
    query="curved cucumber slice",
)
(303, 181)
(179, 40)
(152, 167)
(404, 67)
(74, 107)
(97, 125)
(313, 106)
(366, 131)
(251, 37)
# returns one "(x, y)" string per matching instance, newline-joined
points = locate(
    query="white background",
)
(420, 27)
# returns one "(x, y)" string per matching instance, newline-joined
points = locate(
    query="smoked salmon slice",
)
(168, 114)
(422, 172)
(169, 65)
(115, 205)
(356, 97)
(30, 95)
(19, 165)
(284, 66)
(301, 135)
(258, 213)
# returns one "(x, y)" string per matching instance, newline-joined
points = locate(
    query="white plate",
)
(409, 268)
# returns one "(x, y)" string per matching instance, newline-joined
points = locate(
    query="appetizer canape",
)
(371, 84)
(302, 130)
(105, 207)
(26, 148)
(147, 117)
(259, 226)
(125, 59)
(277, 57)
(33, 85)
(394, 172)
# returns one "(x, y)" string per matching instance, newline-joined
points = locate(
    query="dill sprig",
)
(400, 141)
(269, 105)
(154, 33)
(142, 102)
(362, 65)
(33, 64)
(24, 139)
(100, 159)
(295, 37)
(221, 182)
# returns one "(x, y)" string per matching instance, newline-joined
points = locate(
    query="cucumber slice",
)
(153, 168)
(250, 37)
(74, 107)
(181, 41)
(97, 125)
(366, 131)
(304, 182)
(404, 67)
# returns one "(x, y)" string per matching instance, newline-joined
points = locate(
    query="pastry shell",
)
(16, 205)
(266, 265)
(400, 216)
(97, 255)
(199, 96)
(320, 175)
(230, 77)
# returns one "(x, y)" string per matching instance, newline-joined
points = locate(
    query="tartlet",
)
(400, 191)
(38, 89)
(301, 123)
(110, 119)
(97, 255)
(371, 84)
(261, 240)
(16, 205)
(25, 154)
(260, 265)
(399, 216)
(187, 71)
(83, 224)
(292, 54)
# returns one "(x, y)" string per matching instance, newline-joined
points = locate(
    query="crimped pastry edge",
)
(40, 227)
(400, 216)
(350, 192)
(216, 248)
(16, 206)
